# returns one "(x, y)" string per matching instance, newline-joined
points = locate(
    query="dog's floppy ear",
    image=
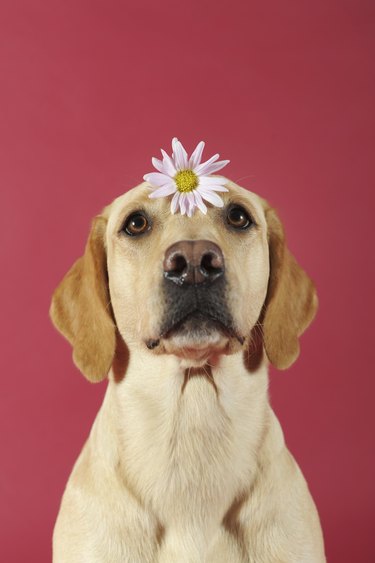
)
(81, 308)
(291, 301)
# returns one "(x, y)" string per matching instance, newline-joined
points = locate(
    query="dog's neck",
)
(187, 443)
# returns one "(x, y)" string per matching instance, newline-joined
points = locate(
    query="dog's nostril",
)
(179, 263)
(211, 263)
(176, 264)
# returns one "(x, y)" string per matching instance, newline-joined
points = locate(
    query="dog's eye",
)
(238, 218)
(136, 224)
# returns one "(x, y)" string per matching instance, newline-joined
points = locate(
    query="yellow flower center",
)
(186, 181)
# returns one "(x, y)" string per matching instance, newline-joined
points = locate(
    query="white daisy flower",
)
(188, 179)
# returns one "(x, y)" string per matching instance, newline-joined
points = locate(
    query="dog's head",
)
(193, 287)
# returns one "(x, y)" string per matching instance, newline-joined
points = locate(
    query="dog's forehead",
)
(138, 199)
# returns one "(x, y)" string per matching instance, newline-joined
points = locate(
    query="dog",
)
(186, 461)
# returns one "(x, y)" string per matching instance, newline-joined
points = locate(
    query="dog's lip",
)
(199, 355)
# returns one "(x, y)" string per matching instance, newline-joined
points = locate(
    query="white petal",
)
(212, 197)
(199, 202)
(200, 169)
(168, 164)
(175, 202)
(196, 155)
(190, 203)
(168, 189)
(174, 141)
(208, 181)
(180, 155)
(215, 188)
(157, 179)
(158, 164)
(211, 167)
(182, 204)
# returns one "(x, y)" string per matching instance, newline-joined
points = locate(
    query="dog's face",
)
(187, 286)
(193, 287)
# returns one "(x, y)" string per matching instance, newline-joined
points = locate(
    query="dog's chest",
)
(189, 453)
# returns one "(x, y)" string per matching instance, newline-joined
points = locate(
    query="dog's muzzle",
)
(195, 293)
(195, 290)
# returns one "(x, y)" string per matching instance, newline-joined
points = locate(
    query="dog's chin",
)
(195, 349)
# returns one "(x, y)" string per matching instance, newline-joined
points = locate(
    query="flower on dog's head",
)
(188, 179)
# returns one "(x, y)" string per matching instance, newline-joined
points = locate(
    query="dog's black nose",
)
(193, 262)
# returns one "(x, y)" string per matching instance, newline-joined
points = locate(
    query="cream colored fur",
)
(181, 467)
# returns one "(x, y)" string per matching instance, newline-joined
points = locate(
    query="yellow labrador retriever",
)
(186, 461)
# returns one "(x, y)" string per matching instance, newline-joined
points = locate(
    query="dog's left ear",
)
(291, 301)
(81, 308)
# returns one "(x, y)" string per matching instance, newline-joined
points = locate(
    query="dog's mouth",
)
(199, 325)
(197, 335)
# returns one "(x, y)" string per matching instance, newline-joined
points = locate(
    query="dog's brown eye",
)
(136, 224)
(238, 218)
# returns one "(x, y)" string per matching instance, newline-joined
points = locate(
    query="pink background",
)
(90, 90)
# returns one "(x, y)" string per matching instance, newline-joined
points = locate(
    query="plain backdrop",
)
(89, 92)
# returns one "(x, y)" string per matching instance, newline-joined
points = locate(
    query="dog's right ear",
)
(81, 308)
